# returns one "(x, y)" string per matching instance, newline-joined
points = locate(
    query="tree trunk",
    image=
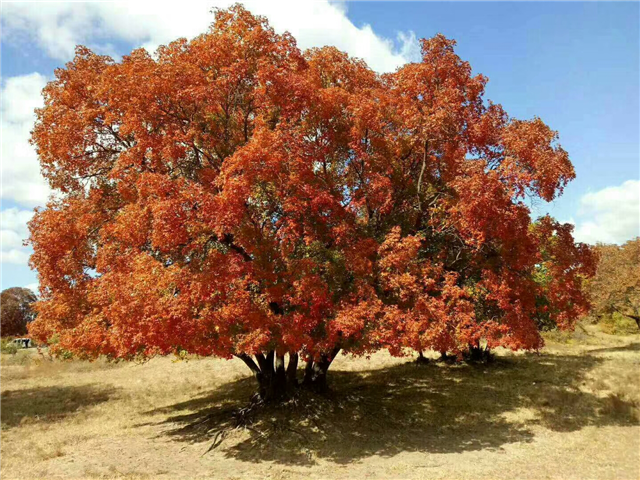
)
(280, 380)
(478, 354)
(292, 370)
(421, 360)
(271, 379)
(276, 381)
(315, 373)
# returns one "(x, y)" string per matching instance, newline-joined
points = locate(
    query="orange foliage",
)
(234, 195)
(616, 285)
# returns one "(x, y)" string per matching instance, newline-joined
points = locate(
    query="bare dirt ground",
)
(571, 412)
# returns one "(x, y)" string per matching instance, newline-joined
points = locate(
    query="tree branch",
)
(249, 363)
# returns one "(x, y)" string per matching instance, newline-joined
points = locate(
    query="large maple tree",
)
(234, 196)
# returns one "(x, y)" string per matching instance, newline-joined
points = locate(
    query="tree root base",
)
(265, 418)
(422, 361)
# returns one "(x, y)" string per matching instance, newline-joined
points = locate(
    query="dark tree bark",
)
(251, 364)
(421, 360)
(636, 318)
(477, 354)
(315, 375)
(280, 380)
(276, 380)
(292, 370)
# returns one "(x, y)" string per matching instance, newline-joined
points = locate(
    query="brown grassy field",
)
(570, 412)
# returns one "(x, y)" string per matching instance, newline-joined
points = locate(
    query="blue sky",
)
(574, 64)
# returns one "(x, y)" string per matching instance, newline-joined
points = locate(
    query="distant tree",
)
(234, 196)
(16, 311)
(560, 276)
(616, 285)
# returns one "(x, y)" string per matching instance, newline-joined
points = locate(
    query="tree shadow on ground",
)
(405, 408)
(632, 347)
(49, 404)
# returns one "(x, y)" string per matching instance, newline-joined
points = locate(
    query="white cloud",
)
(58, 27)
(610, 215)
(21, 179)
(10, 239)
(13, 231)
(14, 255)
(34, 287)
(14, 219)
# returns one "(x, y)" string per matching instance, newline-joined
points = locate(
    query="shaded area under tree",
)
(49, 404)
(405, 408)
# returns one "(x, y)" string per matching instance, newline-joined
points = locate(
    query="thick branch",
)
(249, 363)
(636, 318)
(334, 354)
(422, 169)
(261, 361)
(227, 240)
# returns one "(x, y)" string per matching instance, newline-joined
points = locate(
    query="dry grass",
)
(571, 412)
(617, 324)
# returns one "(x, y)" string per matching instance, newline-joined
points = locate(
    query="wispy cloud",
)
(21, 179)
(58, 27)
(13, 232)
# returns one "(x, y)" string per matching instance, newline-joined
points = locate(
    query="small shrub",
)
(22, 357)
(617, 324)
(7, 346)
(617, 406)
(559, 336)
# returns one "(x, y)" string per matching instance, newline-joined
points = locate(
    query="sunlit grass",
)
(523, 416)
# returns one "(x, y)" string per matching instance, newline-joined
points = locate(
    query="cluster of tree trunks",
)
(473, 354)
(478, 354)
(277, 380)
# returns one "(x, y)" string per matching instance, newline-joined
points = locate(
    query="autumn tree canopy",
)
(234, 196)
(16, 311)
(616, 285)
